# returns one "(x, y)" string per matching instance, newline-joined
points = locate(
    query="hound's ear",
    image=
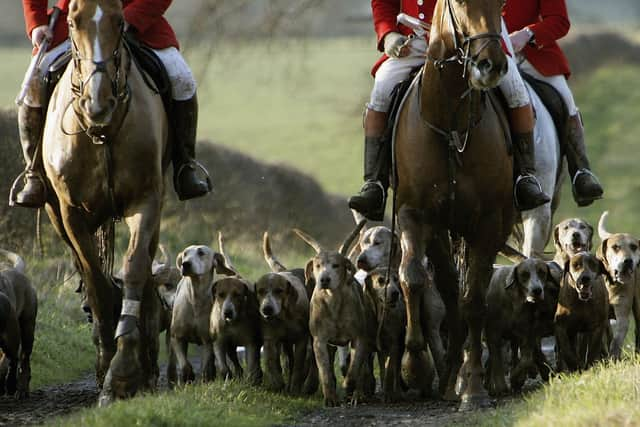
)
(590, 242)
(556, 238)
(605, 271)
(220, 265)
(554, 273)
(601, 253)
(309, 278)
(512, 278)
(179, 261)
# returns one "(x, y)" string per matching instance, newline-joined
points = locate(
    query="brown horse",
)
(454, 179)
(105, 154)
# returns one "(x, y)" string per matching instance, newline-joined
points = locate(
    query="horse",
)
(105, 152)
(537, 223)
(454, 182)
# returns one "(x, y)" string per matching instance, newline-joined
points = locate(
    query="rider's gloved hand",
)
(395, 45)
(40, 34)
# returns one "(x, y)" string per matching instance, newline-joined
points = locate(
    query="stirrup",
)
(520, 178)
(580, 172)
(22, 177)
(191, 164)
(584, 201)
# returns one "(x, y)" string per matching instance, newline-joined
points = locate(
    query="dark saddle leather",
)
(553, 102)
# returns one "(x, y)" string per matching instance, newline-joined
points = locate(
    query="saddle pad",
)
(553, 102)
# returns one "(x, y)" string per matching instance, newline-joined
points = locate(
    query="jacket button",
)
(421, 15)
(420, 2)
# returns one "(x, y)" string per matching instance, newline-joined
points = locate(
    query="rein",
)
(120, 90)
(457, 141)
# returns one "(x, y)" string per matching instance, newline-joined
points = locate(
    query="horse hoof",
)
(475, 402)
(104, 400)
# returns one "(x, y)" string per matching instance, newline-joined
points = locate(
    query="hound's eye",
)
(200, 252)
(566, 227)
(542, 272)
(581, 227)
(336, 266)
(376, 243)
(380, 280)
(615, 248)
(278, 291)
(633, 247)
(222, 295)
(525, 275)
(318, 265)
(261, 291)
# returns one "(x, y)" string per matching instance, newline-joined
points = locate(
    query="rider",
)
(144, 19)
(401, 56)
(534, 27)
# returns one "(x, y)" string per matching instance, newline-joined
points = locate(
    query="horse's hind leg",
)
(98, 289)
(123, 378)
(446, 281)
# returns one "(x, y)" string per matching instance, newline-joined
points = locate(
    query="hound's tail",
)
(227, 260)
(602, 232)
(16, 260)
(275, 265)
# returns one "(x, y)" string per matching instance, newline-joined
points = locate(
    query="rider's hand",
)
(395, 45)
(40, 34)
(519, 39)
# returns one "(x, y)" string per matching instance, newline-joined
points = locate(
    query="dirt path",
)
(48, 402)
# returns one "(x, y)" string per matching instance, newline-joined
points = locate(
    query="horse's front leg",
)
(537, 228)
(412, 274)
(124, 376)
(99, 292)
(480, 259)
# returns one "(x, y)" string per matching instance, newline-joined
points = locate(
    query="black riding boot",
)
(585, 185)
(527, 191)
(372, 198)
(30, 127)
(185, 168)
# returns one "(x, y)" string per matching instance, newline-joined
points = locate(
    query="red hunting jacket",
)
(145, 15)
(549, 21)
(384, 19)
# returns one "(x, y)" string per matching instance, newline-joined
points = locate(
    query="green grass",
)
(63, 350)
(606, 395)
(222, 404)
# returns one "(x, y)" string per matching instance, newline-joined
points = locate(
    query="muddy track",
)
(48, 402)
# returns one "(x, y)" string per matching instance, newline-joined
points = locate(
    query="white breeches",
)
(559, 82)
(183, 84)
(393, 71)
(34, 94)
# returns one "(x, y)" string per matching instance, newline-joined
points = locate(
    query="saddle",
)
(553, 102)
(153, 71)
(397, 95)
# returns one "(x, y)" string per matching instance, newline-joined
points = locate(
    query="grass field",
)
(300, 103)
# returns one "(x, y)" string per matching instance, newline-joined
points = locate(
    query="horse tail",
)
(460, 255)
(105, 238)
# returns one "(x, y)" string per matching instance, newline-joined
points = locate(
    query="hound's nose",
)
(628, 264)
(267, 310)
(228, 314)
(394, 295)
(325, 281)
(186, 266)
(536, 291)
(584, 280)
(575, 235)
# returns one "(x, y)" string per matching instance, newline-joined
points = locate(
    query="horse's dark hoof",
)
(475, 402)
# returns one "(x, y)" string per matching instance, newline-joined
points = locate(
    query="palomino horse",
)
(105, 153)
(455, 178)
